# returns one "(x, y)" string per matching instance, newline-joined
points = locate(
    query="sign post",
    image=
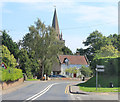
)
(96, 78)
(99, 68)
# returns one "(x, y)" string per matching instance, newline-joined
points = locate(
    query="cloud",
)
(94, 13)
(59, 0)
(84, 13)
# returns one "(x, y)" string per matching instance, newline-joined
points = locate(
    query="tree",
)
(107, 51)
(42, 40)
(8, 58)
(12, 46)
(71, 70)
(86, 71)
(81, 51)
(66, 51)
(25, 63)
(118, 45)
(94, 42)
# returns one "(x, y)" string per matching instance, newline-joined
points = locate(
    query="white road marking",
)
(41, 92)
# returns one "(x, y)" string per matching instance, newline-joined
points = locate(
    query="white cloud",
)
(100, 14)
(1, 5)
(84, 13)
(59, 0)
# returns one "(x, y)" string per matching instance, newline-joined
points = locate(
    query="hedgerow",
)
(10, 74)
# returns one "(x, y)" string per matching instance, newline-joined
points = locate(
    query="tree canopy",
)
(66, 51)
(8, 58)
(42, 40)
(12, 46)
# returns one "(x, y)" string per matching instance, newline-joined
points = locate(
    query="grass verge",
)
(33, 79)
(103, 83)
(93, 89)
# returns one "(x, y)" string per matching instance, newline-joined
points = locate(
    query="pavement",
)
(76, 90)
(78, 94)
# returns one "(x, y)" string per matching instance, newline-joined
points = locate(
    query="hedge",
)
(10, 74)
(111, 65)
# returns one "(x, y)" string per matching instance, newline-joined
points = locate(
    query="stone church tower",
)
(55, 25)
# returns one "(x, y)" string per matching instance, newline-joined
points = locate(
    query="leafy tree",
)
(71, 70)
(25, 63)
(42, 40)
(8, 58)
(66, 51)
(34, 63)
(118, 45)
(86, 71)
(107, 51)
(94, 42)
(81, 51)
(12, 46)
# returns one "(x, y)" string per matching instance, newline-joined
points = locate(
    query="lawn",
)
(33, 79)
(103, 83)
(93, 89)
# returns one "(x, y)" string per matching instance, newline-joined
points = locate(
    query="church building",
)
(73, 60)
(55, 25)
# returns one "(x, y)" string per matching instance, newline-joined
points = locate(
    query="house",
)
(71, 61)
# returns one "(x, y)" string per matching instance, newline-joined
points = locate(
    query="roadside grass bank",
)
(103, 84)
(93, 89)
(32, 79)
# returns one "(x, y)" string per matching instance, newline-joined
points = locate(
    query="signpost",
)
(99, 68)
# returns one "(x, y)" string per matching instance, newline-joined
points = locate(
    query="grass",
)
(93, 89)
(103, 82)
(32, 79)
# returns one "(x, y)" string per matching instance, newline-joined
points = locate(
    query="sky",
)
(76, 18)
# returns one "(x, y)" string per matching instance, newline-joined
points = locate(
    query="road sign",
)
(100, 70)
(100, 66)
(3, 66)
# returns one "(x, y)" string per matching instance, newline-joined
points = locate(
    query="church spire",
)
(55, 24)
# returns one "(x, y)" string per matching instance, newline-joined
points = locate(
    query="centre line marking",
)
(40, 93)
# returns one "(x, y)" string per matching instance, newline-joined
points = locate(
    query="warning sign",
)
(3, 66)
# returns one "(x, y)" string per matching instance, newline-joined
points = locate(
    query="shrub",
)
(11, 74)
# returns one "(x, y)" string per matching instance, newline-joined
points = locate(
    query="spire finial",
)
(55, 6)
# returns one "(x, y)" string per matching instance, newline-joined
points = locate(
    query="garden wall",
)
(6, 85)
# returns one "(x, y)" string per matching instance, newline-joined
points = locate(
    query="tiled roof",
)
(73, 59)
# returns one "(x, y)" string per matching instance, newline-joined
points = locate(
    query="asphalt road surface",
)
(53, 90)
(49, 90)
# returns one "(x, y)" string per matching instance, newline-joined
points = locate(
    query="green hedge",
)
(10, 74)
(111, 65)
(103, 81)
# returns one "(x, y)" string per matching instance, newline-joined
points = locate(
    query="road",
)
(53, 90)
(49, 90)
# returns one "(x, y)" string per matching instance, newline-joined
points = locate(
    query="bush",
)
(86, 71)
(103, 80)
(111, 65)
(11, 74)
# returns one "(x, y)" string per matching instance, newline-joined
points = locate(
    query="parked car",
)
(56, 76)
(52, 76)
(61, 76)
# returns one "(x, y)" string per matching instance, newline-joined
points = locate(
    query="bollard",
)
(111, 85)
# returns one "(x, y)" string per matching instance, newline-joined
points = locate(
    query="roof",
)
(73, 59)
(55, 24)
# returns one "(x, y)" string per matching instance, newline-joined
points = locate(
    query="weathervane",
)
(55, 6)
